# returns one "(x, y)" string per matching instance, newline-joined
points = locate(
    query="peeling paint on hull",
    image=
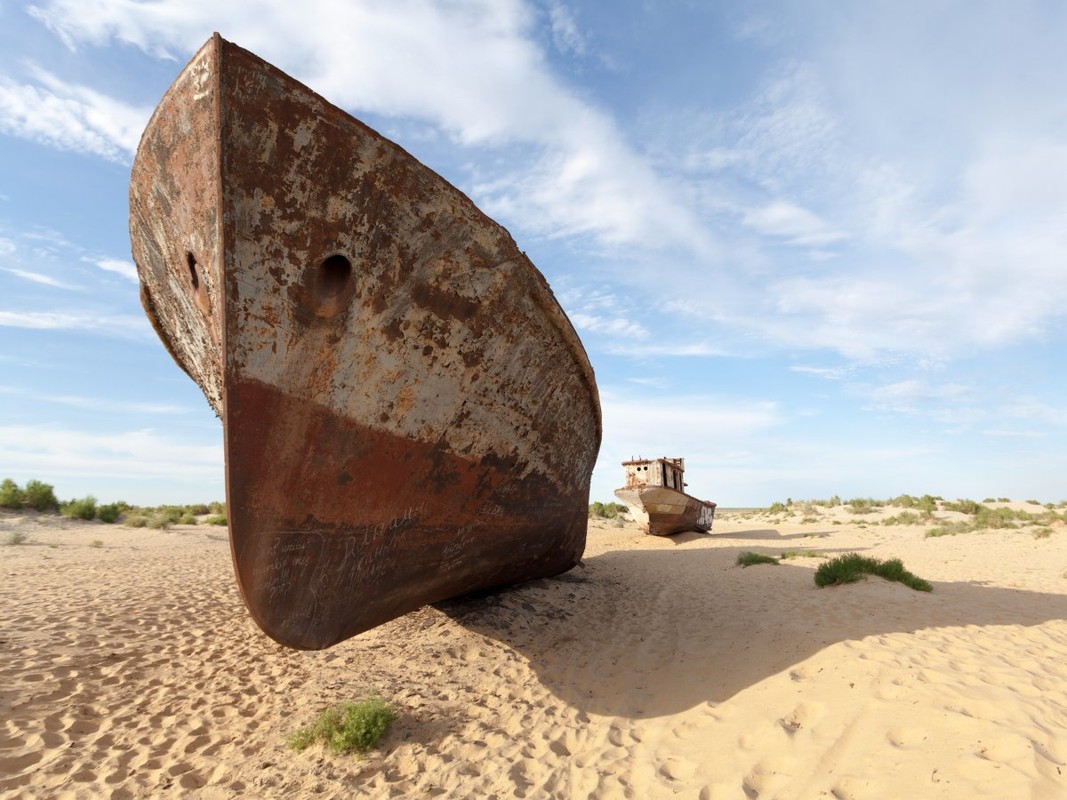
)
(408, 414)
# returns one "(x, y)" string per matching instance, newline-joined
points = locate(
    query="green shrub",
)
(187, 519)
(926, 503)
(951, 529)
(850, 567)
(965, 507)
(776, 508)
(748, 559)
(135, 521)
(108, 513)
(904, 518)
(788, 554)
(40, 496)
(216, 508)
(10, 494)
(863, 505)
(16, 537)
(97, 543)
(80, 509)
(216, 519)
(348, 727)
(198, 509)
(606, 510)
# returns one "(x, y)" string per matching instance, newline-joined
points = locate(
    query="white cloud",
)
(134, 454)
(565, 33)
(121, 325)
(117, 265)
(109, 405)
(791, 222)
(44, 280)
(70, 117)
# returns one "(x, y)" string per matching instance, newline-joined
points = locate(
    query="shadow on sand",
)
(639, 633)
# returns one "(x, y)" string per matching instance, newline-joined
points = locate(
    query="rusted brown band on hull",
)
(340, 527)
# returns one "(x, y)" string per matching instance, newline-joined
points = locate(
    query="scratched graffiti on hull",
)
(408, 414)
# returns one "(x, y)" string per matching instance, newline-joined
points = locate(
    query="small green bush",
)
(108, 513)
(965, 507)
(216, 519)
(97, 543)
(10, 494)
(40, 496)
(788, 554)
(776, 508)
(850, 567)
(216, 507)
(80, 509)
(863, 505)
(16, 537)
(348, 727)
(951, 529)
(903, 518)
(606, 510)
(187, 519)
(135, 521)
(748, 559)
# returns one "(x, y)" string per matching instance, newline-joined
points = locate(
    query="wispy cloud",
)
(110, 405)
(121, 325)
(69, 116)
(139, 454)
(44, 280)
(116, 265)
(791, 222)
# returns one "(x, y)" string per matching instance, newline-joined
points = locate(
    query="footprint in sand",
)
(805, 715)
(904, 737)
(1006, 749)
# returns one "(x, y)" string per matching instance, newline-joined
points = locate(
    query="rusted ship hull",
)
(408, 414)
(662, 511)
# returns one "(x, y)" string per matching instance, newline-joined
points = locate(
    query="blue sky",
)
(814, 247)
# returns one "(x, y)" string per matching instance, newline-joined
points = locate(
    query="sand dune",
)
(658, 669)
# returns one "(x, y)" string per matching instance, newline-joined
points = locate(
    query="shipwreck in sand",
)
(408, 415)
(655, 497)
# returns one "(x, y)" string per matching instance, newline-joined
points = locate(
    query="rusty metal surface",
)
(408, 414)
(654, 494)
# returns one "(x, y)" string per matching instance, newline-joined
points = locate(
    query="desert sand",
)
(657, 669)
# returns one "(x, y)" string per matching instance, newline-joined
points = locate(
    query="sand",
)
(658, 669)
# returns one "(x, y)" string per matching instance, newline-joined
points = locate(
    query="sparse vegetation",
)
(788, 554)
(749, 558)
(606, 510)
(10, 494)
(348, 727)
(97, 543)
(863, 505)
(906, 518)
(16, 537)
(850, 567)
(109, 513)
(216, 519)
(85, 508)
